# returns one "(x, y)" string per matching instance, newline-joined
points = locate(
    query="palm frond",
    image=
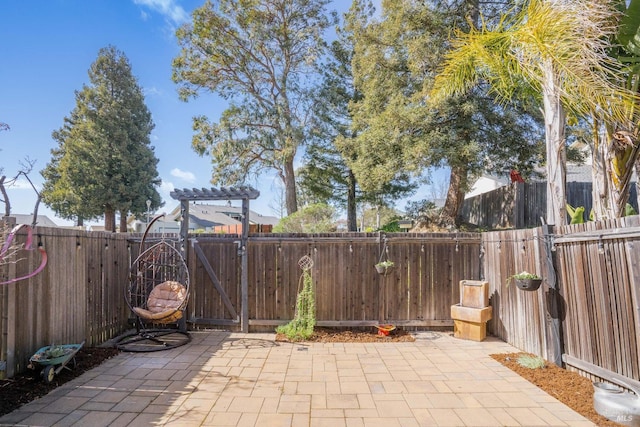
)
(572, 35)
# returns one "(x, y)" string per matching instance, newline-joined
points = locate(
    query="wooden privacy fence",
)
(77, 297)
(594, 326)
(80, 294)
(518, 316)
(595, 312)
(599, 272)
(521, 205)
(349, 292)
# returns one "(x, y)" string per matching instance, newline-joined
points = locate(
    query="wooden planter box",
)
(470, 323)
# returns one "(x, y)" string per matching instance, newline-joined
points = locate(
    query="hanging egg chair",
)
(157, 294)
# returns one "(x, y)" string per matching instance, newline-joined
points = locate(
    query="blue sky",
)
(46, 48)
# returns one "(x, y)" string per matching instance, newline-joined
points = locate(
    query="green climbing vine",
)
(304, 320)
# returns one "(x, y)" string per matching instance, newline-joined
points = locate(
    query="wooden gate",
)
(215, 282)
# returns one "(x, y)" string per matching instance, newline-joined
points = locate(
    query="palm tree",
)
(552, 51)
(615, 144)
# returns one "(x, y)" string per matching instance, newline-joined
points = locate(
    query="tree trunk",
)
(555, 120)
(622, 152)
(7, 204)
(455, 196)
(599, 192)
(80, 222)
(123, 221)
(638, 183)
(352, 215)
(34, 221)
(109, 219)
(614, 156)
(291, 198)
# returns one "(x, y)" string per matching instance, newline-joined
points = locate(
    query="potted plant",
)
(526, 281)
(384, 267)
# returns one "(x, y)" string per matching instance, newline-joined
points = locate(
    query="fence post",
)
(244, 273)
(553, 303)
(518, 205)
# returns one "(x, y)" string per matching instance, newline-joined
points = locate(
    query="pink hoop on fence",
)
(27, 246)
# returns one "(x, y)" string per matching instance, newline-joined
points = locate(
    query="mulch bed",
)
(358, 336)
(25, 387)
(568, 387)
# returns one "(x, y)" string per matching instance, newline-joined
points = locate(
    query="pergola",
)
(244, 193)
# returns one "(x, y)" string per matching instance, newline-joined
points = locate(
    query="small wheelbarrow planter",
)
(384, 330)
(53, 358)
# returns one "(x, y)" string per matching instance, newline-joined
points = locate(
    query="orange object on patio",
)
(383, 330)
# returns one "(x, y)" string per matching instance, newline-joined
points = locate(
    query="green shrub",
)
(301, 327)
(532, 362)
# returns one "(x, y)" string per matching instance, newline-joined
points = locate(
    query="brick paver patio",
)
(231, 379)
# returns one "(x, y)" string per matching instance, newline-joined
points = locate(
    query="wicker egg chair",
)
(157, 294)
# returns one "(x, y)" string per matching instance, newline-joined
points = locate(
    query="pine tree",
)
(400, 130)
(104, 161)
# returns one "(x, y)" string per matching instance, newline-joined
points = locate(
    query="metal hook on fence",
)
(385, 250)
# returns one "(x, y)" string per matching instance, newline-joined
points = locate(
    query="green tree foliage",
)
(421, 211)
(260, 55)
(400, 131)
(552, 52)
(326, 176)
(316, 218)
(615, 144)
(104, 161)
(379, 218)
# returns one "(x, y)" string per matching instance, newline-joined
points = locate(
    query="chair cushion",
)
(164, 299)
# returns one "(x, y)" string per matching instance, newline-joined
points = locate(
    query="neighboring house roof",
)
(579, 173)
(206, 215)
(575, 173)
(159, 226)
(487, 183)
(42, 220)
(208, 219)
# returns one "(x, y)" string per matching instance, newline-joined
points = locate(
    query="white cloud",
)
(151, 91)
(168, 8)
(166, 187)
(183, 175)
(21, 184)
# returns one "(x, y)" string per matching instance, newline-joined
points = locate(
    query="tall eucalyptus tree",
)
(260, 55)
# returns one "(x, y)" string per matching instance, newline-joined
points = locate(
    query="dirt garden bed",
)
(568, 387)
(25, 387)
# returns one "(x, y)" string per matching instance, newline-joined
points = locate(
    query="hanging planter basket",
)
(384, 268)
(528, 284)
(384, 265)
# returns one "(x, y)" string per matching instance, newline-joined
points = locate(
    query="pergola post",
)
(184, 227)
(244, 273)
